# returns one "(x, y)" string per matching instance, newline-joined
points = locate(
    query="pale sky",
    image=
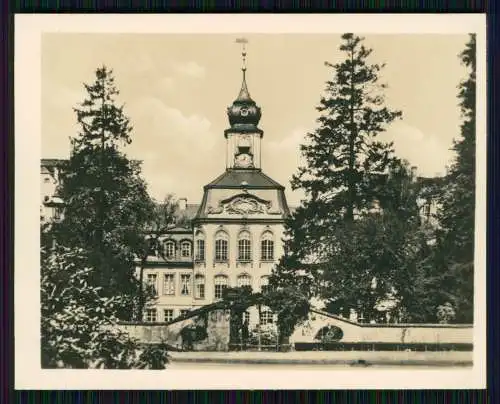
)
(176, 89)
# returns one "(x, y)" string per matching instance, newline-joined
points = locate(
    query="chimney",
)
(182, 203)
(414, 172)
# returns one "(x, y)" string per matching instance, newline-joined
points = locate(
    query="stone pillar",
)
(218, 330)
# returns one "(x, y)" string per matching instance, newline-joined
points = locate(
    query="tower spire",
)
(244, 94)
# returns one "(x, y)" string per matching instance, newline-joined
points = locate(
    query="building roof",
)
(235, 178)
(190, 211)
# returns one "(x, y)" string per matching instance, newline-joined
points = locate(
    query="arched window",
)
(244, 247)
(243, 280)
(264, 283)
(221, 246)
(199, 291)
(267, 247)
(186, 249)
(220, 283)
(200, 246)
(170, 249)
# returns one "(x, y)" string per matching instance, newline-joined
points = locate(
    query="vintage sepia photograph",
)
(241, 200)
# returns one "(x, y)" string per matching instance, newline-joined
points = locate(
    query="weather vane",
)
(244, 42)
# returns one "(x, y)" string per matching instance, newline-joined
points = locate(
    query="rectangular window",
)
(218, 291)
(246, 317)
(184, 312)
(267, 250)
(220, 250)
(200, 287)
(266, 317)
(168, 315)
(151, 280)
(220, 283)
(150, 316)
(200, 250)
(186, 249)
(170, 250)
(169, 284)
(57, 213)
(244, 253)
(185, 285)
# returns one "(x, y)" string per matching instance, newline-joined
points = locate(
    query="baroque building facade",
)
(236, 233)
(234, 236)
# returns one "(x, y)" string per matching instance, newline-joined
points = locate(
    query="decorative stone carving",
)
(243, 204)
(246, 206)
(212, 210)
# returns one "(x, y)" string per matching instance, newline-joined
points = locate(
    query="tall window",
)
(168, 315)
(184, 312)
(243, 280)
(57, 213)
(169, 284)
(185, 284)
(266, 316)
(246, 317)
(220, 283)
(221, 246)
(199, 290)
(185, 249)
(200, 250)
(170, 249)
(151, 280)
(150, 315)
(244, 247)
(267, 247)
(264, 283)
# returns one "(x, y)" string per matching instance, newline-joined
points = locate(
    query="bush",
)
(77, 323)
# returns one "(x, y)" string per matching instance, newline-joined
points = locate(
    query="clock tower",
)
(243, 137)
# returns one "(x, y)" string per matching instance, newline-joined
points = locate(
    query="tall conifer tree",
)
(344, 156)
(345, 173)
(456, 215)
(106, 202)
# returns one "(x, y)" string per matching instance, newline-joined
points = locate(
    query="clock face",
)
(244, 160)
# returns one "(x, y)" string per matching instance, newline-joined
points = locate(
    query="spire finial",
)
(243, 42)
(244, 95)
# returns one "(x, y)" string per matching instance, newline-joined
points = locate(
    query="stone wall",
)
(217, 330)
(391, 333)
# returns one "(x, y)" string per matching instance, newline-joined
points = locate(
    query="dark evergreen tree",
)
(106, 202)
(346, 172)
(456, 215)
(346, 163)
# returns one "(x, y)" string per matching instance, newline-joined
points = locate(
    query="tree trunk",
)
(352, 155)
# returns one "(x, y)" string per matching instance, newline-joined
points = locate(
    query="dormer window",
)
(170, 249)
(185, 249)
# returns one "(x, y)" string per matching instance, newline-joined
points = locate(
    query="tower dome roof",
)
(244, 113)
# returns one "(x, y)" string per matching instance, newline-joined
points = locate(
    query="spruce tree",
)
(456, 214)
(345, 175)
(106, 202)
(345, 160)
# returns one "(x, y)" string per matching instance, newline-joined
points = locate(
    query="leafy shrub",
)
(77, 323)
